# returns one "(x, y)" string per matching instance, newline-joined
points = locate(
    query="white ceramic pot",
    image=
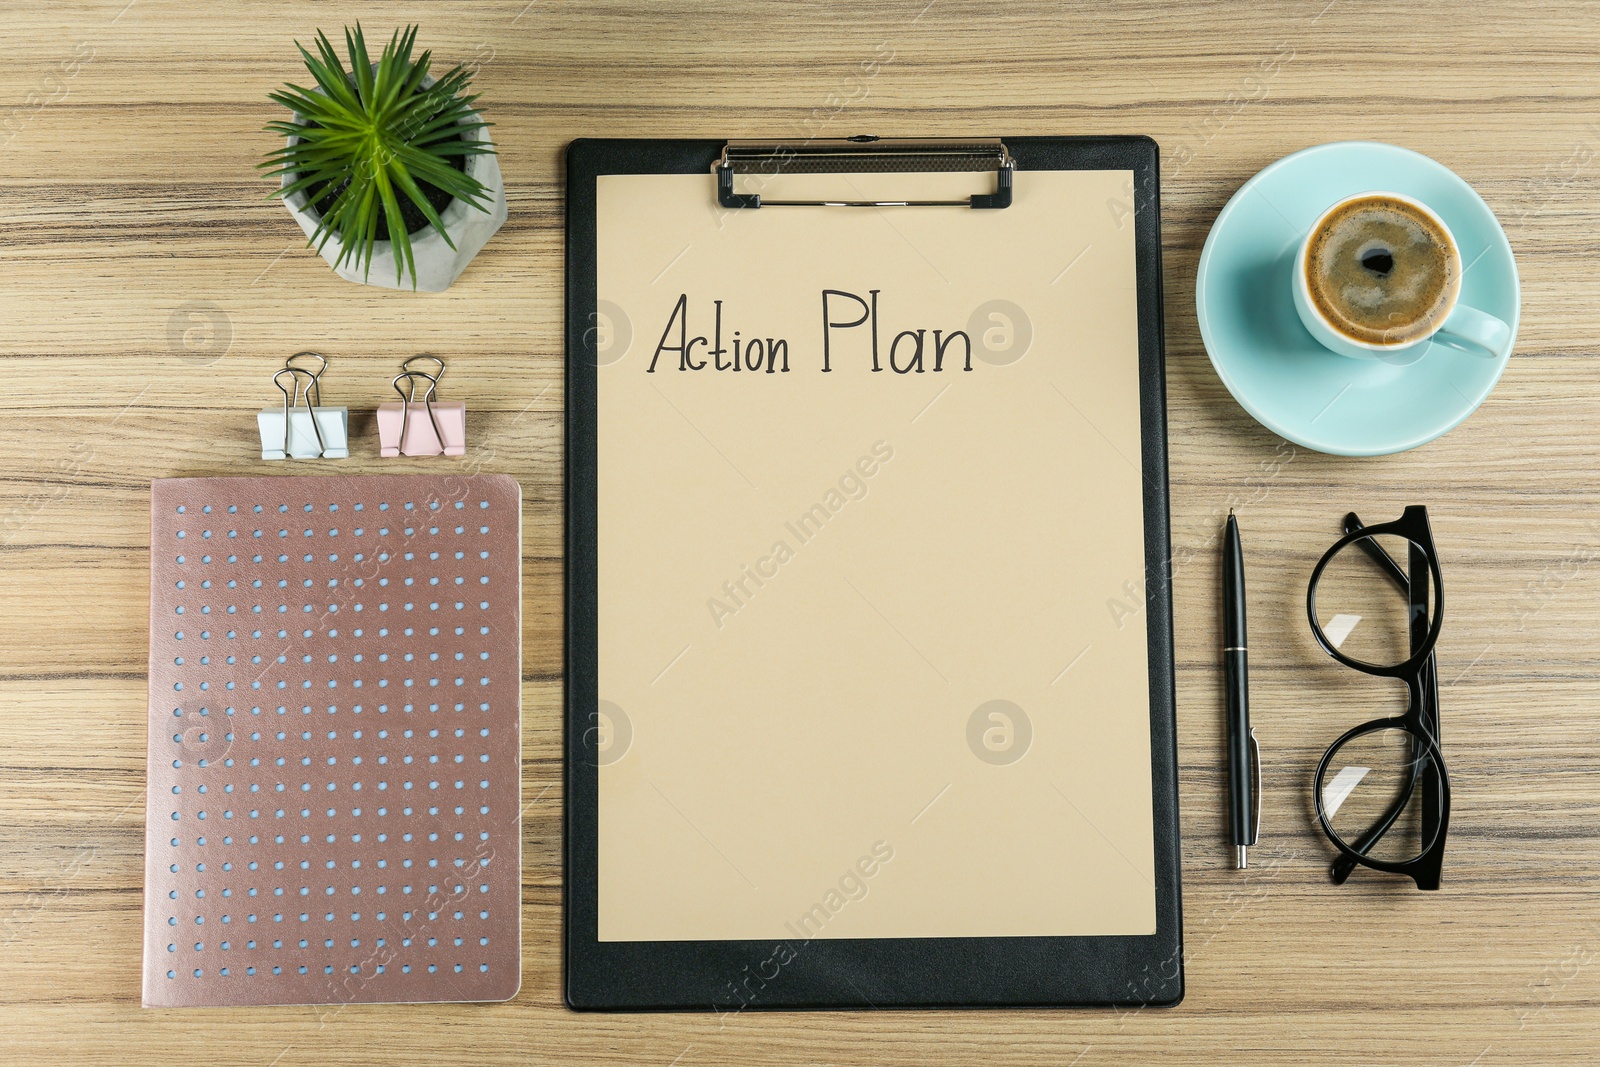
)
(438, 265)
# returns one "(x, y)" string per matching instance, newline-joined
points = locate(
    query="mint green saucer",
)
(1273, 367)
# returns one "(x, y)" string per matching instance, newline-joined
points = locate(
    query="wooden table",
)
(148, 286)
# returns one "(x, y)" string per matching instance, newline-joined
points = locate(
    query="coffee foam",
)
(1381, 271)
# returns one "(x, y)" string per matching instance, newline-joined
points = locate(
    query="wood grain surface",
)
(147, 287)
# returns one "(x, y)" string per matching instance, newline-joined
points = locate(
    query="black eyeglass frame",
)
(1419, 720)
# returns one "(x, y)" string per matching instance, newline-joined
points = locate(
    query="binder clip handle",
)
(437, 373)
(314, 393)
(303, 383)
(411, 377)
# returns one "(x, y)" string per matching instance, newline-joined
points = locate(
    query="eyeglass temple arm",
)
(1343, 866)
(1352, 524)
(1428, 710)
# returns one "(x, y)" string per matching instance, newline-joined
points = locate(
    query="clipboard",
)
(875, 431)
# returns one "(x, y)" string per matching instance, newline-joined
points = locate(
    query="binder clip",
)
(303, 430)
(430, 427)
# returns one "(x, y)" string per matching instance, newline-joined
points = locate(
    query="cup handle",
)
(1476, 332)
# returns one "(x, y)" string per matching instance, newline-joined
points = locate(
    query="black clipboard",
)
(860, 973)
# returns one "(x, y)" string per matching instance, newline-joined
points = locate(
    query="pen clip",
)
(1255, 757)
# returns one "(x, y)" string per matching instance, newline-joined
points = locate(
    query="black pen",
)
(1244, 784)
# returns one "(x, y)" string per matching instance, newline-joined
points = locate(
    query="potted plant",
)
(388, 170)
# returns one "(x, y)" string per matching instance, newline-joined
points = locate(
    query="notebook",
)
(334, 743)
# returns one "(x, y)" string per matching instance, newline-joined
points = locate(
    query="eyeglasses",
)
(1381, 791)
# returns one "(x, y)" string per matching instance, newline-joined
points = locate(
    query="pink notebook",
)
(334, 747)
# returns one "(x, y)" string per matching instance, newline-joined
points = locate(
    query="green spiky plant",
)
(372, 135)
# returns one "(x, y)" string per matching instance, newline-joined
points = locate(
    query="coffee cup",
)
(1378, 276)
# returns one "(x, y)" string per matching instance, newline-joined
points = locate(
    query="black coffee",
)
(1382, 272)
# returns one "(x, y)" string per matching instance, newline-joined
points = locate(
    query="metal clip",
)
(860, 154)
(288, 432)
(314, 393)
(1255, 757)
(397, 431)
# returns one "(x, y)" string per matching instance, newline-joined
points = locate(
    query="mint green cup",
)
(1461, 327)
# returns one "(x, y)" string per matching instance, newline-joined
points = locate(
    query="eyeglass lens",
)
(1362, 608)
(1373, 794)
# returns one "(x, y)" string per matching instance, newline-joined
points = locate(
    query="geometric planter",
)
(437, 263)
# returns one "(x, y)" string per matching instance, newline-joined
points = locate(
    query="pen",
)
(1244, 786)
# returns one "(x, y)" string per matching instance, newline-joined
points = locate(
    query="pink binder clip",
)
(427, 427)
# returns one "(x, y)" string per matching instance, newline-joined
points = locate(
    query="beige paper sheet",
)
(872, 644)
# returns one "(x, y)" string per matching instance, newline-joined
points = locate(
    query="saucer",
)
(1272, 365)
